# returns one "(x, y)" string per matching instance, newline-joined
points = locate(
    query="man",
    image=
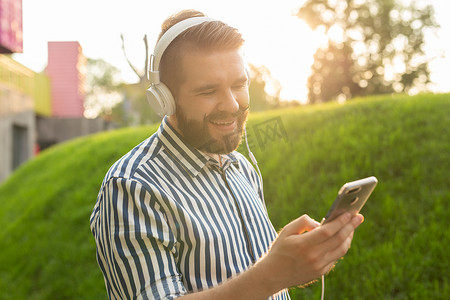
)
(181, 214)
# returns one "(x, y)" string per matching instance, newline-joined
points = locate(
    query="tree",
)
(102, 88)
(374, 47)
(260, 99)
(136, 106)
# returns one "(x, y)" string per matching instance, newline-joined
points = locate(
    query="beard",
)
(198, 135)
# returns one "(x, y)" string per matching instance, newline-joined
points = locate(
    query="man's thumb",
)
(300, 225)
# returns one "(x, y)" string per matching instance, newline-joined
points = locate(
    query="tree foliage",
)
(135, 110)
(108, 97)
(102, 88)
(374, 47)
(260, 99)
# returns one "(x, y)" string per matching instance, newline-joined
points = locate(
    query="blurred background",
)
(358, 87)
(80, 65)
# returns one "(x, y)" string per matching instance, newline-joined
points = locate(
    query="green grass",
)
(47, 250)
(400, 252)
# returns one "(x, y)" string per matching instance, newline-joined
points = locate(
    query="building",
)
(17, 117)
(16, 93)
(67, 71)
(11, 26)
(38, 110)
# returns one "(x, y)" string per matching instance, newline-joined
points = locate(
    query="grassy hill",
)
(305, 154)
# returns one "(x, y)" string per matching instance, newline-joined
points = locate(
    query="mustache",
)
(220, 115)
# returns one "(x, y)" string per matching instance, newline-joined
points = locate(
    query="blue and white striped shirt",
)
(169, 220)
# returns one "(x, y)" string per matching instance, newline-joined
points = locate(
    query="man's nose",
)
(229, 102)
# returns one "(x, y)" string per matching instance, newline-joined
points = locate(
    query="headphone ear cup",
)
(168, 100)
(160, 99)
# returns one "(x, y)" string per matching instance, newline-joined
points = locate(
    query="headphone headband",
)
(166, 39)
(158, 94)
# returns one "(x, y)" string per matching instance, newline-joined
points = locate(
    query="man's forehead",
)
(202, 60)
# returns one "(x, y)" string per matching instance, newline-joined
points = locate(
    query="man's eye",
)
(207, 93)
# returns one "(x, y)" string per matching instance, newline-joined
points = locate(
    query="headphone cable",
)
(323, 287)
(255, 162)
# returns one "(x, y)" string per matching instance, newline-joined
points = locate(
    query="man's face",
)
(212, 101)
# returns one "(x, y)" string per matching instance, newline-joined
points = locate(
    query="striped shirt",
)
(170, 220)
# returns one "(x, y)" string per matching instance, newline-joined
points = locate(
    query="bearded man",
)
(181, 215)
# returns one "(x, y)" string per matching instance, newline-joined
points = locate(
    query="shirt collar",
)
(192, 159)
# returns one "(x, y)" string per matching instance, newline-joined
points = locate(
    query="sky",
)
(274, 37)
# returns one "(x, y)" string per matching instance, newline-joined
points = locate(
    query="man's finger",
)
(300, 225)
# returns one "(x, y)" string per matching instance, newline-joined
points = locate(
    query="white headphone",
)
(158, 94)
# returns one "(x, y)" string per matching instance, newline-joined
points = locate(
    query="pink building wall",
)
(66, 69)
(11, 39)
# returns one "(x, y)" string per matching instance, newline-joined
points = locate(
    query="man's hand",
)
(302, 252)
(297, 257)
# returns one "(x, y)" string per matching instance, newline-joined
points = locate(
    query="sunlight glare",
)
(274, 36)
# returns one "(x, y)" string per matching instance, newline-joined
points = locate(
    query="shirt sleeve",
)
(135, 245)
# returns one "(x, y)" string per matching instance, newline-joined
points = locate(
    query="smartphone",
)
(351, 198)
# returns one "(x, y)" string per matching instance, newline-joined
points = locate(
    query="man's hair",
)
(207, 36)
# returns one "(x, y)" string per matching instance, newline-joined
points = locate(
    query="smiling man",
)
(181, 214)
(213, 100)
